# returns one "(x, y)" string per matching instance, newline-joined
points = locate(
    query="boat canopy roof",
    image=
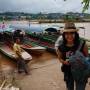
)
(51, 30)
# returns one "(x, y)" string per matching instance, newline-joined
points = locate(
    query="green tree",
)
(86, 4)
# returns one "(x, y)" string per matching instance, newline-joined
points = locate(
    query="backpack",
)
(80, 65)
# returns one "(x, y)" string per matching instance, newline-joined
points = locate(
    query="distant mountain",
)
(22, 15)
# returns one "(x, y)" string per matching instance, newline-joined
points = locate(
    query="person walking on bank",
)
(69, 43)
(21, 65)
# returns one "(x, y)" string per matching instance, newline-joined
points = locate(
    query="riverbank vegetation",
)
(46, 18)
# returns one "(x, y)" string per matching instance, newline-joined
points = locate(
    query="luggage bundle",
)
(80, 65)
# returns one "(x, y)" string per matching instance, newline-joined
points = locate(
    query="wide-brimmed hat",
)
(69, 27)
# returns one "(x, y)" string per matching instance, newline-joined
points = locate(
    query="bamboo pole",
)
(2, 84)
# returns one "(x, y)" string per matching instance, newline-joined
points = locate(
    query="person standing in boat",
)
(21, 65)
(69, 43)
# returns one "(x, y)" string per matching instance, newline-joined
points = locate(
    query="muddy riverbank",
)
(45, 73)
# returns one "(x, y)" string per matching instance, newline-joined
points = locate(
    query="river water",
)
(4, 61)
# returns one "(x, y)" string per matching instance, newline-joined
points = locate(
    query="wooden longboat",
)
(49, 42)
(8, 51)
(44, 45)
(26, 44)
(32, 47)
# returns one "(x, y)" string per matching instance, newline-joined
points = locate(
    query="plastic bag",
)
(80, 65)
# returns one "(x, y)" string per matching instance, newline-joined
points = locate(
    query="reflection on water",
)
(84, 32)
(41, 27)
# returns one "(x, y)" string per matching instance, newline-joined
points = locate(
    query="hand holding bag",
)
(80, 65)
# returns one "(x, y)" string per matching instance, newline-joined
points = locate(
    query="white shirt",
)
(58, 42)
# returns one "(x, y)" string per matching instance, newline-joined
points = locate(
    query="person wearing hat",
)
(65, 47)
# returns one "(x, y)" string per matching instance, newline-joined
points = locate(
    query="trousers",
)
(69, 80)
(21, 65)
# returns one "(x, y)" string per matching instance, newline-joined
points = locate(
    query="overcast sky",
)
(45, 6)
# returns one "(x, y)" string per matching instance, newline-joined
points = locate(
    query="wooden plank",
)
(2, 84)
